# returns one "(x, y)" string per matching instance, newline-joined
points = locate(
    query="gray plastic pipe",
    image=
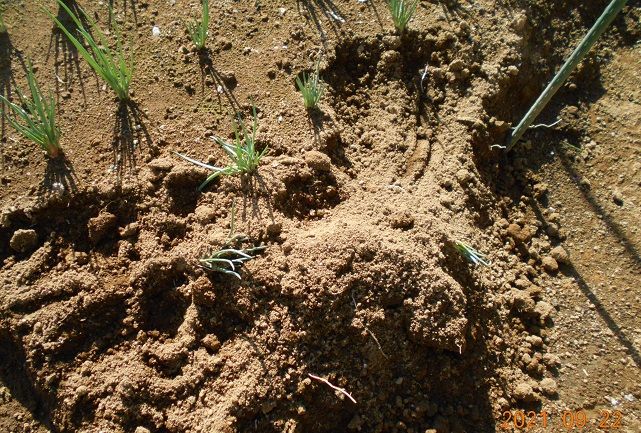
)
(590, 38)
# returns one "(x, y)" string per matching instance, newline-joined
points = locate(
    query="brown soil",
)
(107, 323)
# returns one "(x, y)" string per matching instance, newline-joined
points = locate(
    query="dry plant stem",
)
(341, 390)
(590, 38)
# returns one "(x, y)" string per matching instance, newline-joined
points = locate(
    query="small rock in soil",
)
(548, 387)
(402, 220)
(205, 214)
(317, 161)
(617, 198)
(211, 342)
(518, 234)
(560, 255)
(275, 229)
(23, 241)
(100, 226)
(524, 392)
(543, 309)
(202, 292)
(549, 264)
(552, 230)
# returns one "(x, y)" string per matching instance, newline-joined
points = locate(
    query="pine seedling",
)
(242, 151)
(35, 118)
(402, 12)
(109, 64)
(228, 260)
(198, 29)
(470, 254)
(311, 88)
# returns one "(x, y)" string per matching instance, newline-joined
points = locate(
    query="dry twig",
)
(341, 390)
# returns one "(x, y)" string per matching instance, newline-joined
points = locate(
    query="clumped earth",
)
(107, 323)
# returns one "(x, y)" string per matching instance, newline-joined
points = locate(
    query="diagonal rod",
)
(590, 38)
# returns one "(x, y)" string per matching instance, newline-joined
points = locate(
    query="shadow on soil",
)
(328, 9)
(66, 60)
(7, 80)
(126, 5)
(14, 376)
(130, 133)
(59, 176)
(223, 84)
(583, 285)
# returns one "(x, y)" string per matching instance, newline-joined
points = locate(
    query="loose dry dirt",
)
(108, 324)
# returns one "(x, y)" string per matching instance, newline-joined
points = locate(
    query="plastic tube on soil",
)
(590, 38)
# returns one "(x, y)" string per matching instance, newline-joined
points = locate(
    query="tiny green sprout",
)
(228, 260)
(243, 153)
(109, 64)
(470, 254)
(35, 118)
(311, 88)
(3, 28)
(198, 29)
(402, 12)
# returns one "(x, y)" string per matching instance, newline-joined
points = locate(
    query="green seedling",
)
(198, 29)
(228, 260)
(109, 64)
(470, 254)
(243, 153)
(402, 12)
(3, 28)
(311, 88)
(35, 118)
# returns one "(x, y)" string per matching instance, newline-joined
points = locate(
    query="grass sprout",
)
(109, 64)
(402, 12)
(242, 151)
(229, 260)
(198, 29)
(35, 118)
(470, 254)
(3, 28)
(311, 88)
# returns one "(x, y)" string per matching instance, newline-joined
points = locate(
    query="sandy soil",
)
(107, 323)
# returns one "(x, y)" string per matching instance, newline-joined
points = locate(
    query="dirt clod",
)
(550, 264)
(523, 391)
(548, 387)
(560, 254)
(318, 161)
(99, 227)
(519, 234)
(23, 240)
(617, 197)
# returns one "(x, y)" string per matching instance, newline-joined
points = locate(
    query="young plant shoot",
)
(108, 63)
(402, 12)
(198, 29)
(35, 118)
(3, 28)
(470, 254)
(242, 151)
(228, 260)
(311, 88)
